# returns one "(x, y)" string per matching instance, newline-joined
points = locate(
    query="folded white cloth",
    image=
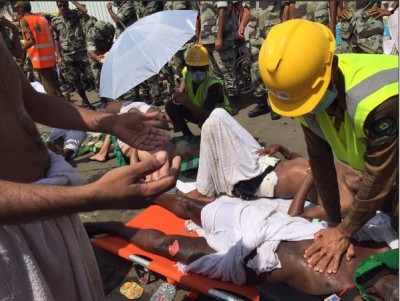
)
(234, 228)
(50, 259)
(227, 155)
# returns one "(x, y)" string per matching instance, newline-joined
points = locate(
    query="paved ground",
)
(116, 271)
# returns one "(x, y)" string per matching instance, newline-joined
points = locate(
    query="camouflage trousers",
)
(260, 91)
(96, 71)
(48, 78)
(78, 67)
(362, 33)
(222, 65)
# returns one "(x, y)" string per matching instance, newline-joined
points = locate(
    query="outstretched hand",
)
(140, 130)
(270, 150)
(125, 188)
(327, 250)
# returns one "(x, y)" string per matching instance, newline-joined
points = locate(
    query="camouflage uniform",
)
(69, 32)
(126, 12)
(177, 5)
(99, 39)
(150, 87)
(263, 15)
(317, 11)
(175, 69)
(362, 33)
(222, 63)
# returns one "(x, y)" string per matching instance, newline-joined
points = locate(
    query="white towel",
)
(227, 155)
(234, 228)
(50, 259)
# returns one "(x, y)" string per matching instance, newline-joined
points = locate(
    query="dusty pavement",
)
(116, 271)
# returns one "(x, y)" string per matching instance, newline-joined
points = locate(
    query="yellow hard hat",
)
(295, 64)
(197, 56)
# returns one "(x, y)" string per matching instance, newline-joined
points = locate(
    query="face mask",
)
(326, 101)
(197, 76)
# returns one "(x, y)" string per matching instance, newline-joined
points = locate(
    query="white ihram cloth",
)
(234, 228)
(227, 155)
(49, 259)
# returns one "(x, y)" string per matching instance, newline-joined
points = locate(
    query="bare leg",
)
(195, 194)
(175, 247)
(102, 155)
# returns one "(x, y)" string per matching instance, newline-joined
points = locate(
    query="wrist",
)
(344, 232)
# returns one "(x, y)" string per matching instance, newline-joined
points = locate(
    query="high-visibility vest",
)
(370, 79)
(42, 53)
(202, 90)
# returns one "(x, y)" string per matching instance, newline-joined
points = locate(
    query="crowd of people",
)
(346, 98)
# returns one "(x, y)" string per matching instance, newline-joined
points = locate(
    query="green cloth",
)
(389, 259)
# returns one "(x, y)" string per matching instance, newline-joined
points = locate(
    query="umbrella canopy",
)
(144, 48)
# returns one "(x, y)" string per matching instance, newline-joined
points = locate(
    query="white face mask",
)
(197, 76)
(326, 101)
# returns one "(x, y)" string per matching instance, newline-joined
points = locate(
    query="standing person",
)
(361, 32)
(125, 16)
(216, 35)
(393, 19)
(45, 252)
(10, 34)
(99, 40)
(201, 92)
(347, 107)
(70, 45)
(324, 12)
(260, 16)
(39, 47)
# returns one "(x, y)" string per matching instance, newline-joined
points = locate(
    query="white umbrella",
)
(144, 48)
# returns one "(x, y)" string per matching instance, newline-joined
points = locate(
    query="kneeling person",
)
(201, 93)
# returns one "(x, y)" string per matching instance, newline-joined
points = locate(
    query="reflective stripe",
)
(43, 58)
(368, 86)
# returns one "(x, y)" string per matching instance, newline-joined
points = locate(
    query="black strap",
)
(247, 189)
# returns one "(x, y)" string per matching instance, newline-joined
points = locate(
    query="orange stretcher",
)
(156, 217)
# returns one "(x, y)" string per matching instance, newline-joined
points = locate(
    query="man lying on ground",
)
(232, 162)
(65, 142)
(245, 242)
(133, 154)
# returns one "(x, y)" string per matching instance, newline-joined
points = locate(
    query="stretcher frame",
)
(156, 217)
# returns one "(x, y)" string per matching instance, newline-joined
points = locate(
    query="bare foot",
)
(99, 157)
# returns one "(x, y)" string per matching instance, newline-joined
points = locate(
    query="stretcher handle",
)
(139, 260)
(221, 295)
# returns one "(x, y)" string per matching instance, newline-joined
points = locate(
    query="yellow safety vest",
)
(202, 90)
(370, 79)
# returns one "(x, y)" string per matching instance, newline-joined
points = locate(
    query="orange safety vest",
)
(42, 53)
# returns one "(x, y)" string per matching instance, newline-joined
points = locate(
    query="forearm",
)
(324, 173)
(27, 202)
(27, 45)
(288, 154)
(246, 17)
(80, 7)
(333, 13)
(114, 17)
(297, 205)
(377, 185)
(58, 48)
(64, 114)
(221, 22)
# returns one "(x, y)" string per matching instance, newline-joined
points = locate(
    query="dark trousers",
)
(179, 116)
